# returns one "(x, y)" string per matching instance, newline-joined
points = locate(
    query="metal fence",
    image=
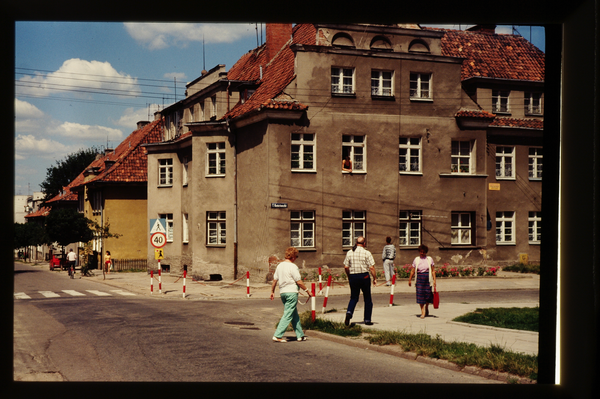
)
(129, 264)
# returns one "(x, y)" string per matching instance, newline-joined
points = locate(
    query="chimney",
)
(141, 124)
(488, 29)
(277, 36)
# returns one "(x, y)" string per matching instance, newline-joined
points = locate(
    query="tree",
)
(65, 171)
(66, 226)
(29, 234)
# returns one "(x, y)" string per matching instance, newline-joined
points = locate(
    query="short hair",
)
(291, 252)
(388, 239)
(424, 248)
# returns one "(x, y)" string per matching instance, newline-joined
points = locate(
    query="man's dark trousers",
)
(360, 282)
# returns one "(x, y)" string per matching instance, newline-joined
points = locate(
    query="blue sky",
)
(84, 84)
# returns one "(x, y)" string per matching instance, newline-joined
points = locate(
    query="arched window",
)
(381, 43)
(342, 39)
(418, 46)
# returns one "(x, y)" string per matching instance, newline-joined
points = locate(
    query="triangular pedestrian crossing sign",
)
(158, 226)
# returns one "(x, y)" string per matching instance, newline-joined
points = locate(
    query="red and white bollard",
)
(184, 275)
(320, 283)
(326, 293)
(248, 284)
(392, 290)
(159, 278)
(151, 282)
(312, 302)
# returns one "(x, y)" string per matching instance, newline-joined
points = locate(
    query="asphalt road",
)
(138, 338)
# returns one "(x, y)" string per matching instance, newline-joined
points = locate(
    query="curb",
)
(398, 352)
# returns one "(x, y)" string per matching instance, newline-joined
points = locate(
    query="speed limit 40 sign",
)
(158, 240)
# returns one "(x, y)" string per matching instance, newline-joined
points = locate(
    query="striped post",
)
(326, 293)
(159, 278)
(312, 302)
(320, 283)
(392, 290)
(184, 275)
(248, 284)
(151, 282)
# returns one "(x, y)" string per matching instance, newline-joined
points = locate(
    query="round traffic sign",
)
(158, 240)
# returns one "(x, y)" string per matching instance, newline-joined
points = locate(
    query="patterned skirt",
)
(424, 293)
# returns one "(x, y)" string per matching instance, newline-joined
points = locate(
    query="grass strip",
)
(514, 318)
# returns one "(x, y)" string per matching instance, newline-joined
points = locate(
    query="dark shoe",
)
(347, 320)
(368, 323)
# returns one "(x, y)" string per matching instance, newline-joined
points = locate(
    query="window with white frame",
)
(381, 83)
(184, 171)
(353, 226)
(500, 101)
(169, 219)
(535, 163)
(461, 228)
(535, 227)
(342, 80)
(355, 148)
(216, 231)
(215, 159)
(533, 103)
(165, 172)
(409, 159)
(462, 157)
(302, 229)
(410, 228)
(505, 162)
(185, 229)
(303, 152)
(420, 86)
(505, 227)
(96, 202)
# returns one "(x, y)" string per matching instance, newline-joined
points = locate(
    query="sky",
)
(87, 84)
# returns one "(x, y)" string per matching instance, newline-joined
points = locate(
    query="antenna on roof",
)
(256, 27)
(203, 54)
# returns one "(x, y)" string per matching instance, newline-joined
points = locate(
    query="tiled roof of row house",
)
(43, 211)
(537, 124)
(474, 113)
(491, 55)
(67, 194)
(277, 74)
(130, 158)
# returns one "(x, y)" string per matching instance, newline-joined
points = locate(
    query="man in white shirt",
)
(71, 260)
(358, 263)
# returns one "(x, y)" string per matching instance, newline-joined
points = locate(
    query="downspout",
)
(235, 208)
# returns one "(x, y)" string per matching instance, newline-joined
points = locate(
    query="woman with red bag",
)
(423, 265)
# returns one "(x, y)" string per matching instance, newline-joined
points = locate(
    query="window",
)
(420, 86)
(302, 229)
(500, 101)
(505, 222)
(186, 233)
(215, 159)
(410, 228)
(216, 228)
(96, 202)
(165, 172)
(303, 152)
(354, 147)
(381, 83)
(184, 170)
(535, 163)
(409, 159)
(461, 157)
(505, 162)
(342, 80)
(533, 103)
(535, 227)
(353, 226)
(461, 228)
(169, 219)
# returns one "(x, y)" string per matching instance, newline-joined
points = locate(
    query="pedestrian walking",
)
(107, 262)
(388, 255)
(287, 276)
(424, 268)
(357, 265)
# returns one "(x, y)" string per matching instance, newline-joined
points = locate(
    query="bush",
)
(521, 268)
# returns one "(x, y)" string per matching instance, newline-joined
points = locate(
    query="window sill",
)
(304, 171)
(165, 186)
(535, 243)
(411, 173)
(419, 99)
(355, 172)
(505, 244)
(342, 95)
(534, 114)
(503, 113)
(215, 245)
(462, 175)
(410, 247)
(306, 249)
(384, 98)
(211, 176)
(506, 178)
(535, 179)
(460, 246)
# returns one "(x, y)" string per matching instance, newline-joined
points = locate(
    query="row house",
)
(327, 132)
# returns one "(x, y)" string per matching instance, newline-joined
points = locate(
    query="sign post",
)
(158, 239)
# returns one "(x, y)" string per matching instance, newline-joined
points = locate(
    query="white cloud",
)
(29, 145)
(86, 132)
(156, 36)
(132, 116)
(25, 110)
(81, 78)
(177, 75)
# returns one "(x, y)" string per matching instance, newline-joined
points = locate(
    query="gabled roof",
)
(536, 124)
(491, 55)
(277, 74)
(129, 161)
(42, 212)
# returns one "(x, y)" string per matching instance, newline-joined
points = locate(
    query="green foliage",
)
(66, 226)
(521, 268)
(513, 318)
(66, 170)
(328, 326)
(31, 233)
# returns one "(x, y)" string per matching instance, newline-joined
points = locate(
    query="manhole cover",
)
(239, 323)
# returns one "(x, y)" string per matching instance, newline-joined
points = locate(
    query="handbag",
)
(436, 299)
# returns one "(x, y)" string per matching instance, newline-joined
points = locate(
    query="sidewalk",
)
(395, 318)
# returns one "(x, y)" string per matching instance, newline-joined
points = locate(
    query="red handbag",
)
(436, 299)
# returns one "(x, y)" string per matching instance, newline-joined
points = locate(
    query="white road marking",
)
(121, 292)
(99, 293)
(49, 294)
(73, 292)
(21, 295)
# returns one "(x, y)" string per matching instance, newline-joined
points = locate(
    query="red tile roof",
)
(43, 211)
(499, 56)
(519, 123)
(477, 113)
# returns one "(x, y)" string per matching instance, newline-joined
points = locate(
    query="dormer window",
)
(418, 46)
(500, 101)
(342, 40)
(381, 43)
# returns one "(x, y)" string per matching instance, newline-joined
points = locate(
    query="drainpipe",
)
(235, 208)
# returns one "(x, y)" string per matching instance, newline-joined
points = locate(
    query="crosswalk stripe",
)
(121, 292)
(21, 295)
(73, 292)
(99, 293)
(49, 294)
